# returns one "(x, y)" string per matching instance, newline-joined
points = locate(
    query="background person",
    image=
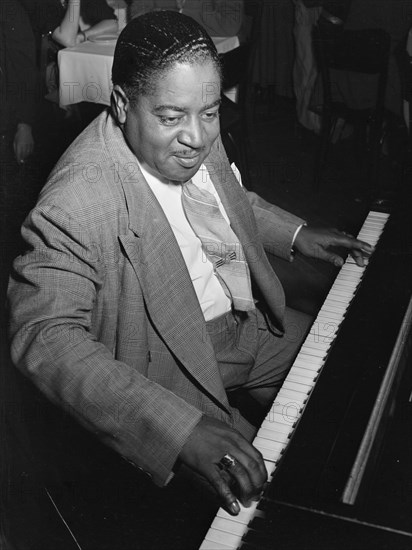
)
(217, 17)
(85, 19)
(18, 80)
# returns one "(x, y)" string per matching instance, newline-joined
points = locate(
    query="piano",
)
(333, 434)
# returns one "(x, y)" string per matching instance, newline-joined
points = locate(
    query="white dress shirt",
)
(212, 298)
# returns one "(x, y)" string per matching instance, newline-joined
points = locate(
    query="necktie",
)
(220, 244)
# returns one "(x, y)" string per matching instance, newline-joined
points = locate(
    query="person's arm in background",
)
(20, 77)
(108, 26)
(67, 32)
(97, 17)
(77, 27)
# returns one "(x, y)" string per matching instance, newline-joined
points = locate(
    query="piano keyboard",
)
(226, 531)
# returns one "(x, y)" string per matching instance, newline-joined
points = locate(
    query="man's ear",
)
(119, 104)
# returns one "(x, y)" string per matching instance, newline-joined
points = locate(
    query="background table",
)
(85, 70)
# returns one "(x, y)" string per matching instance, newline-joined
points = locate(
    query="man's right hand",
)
(209, 442)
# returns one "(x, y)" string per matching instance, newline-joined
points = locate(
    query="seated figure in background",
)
(84, 19)
(18, 80)
(217, 17)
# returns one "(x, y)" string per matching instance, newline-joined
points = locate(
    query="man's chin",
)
(180, 174)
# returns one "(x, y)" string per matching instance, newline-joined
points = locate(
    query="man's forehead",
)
(198, 77)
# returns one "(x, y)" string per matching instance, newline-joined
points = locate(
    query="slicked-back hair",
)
(153, 43)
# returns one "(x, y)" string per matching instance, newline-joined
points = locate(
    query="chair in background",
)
(354, 51)
(235, 116)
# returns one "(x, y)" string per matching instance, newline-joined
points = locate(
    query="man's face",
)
(172, 130)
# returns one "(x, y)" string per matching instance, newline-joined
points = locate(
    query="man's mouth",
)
(187, 161)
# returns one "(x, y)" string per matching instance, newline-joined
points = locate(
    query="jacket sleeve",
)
(277, 227)
(52, 296)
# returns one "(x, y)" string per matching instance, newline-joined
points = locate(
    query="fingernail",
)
(234, 507)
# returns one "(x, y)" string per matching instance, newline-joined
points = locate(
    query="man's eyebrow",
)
(171, 107)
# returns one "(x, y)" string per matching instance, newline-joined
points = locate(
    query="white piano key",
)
(329, 317)
(320, 347)
(297, 377)
(306, 369)
(327, 321)
(337, 295)
(216, 536)
(314, 351)
(296, 386)
(269, 444)
(281, 420)
(300, 363)
(270, 468)
(325, 333)
(344, 292)
(271, 455)
(229, 526)
(244, 514)
(273, 435)
(285, 410)
(310, 358)
(322, 328)
(283, 401)
(334, 307)
(294, 395)
(338, 303)
(348, 279)
(210, 545)
(352, 266)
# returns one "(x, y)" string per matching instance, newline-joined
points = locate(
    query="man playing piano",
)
(145, 292)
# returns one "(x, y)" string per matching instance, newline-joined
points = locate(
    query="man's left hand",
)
(317, 242)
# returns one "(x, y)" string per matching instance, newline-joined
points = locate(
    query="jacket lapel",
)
(171, 301)
(243, 223)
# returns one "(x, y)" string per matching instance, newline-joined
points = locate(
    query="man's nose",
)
(192, 133)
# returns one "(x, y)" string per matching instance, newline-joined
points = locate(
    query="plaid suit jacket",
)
(104, 317)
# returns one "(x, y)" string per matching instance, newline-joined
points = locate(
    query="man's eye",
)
(210, 115)
(169, 120)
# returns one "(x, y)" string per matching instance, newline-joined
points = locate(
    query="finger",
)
(257, 476)
(243, 487)
(247, 477)
(330, 257)
(221, 482)
(358, 257)
(250, 458)
(347, 241)
(366, 248)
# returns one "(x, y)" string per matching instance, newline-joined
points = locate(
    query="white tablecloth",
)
(85, 70)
